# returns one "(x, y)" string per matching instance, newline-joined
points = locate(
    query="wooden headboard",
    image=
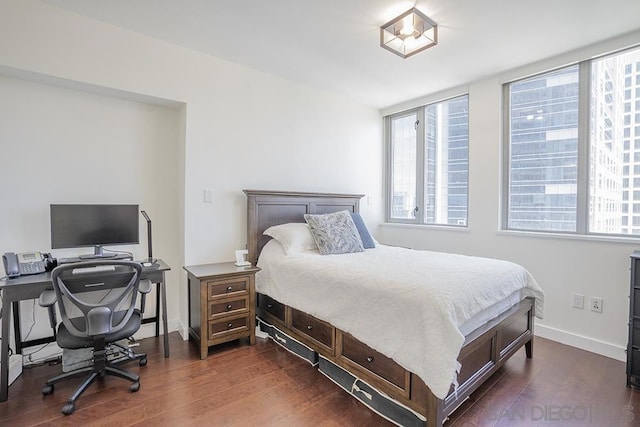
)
(267, 208)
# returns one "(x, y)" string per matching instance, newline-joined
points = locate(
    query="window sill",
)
(425, 226)
(567, 236)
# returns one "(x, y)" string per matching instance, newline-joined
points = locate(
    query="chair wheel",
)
(143, 362)
(68, 408)
(48, 389)
(135, 386)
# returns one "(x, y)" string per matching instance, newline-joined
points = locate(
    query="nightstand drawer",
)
(220, 288)
(371, 360)
(218, 308)
(228, 326)
(316, 329)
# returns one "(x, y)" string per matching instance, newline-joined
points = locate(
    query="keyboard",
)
(95, 269)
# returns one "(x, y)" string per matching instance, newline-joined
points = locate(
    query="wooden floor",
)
(241, 385)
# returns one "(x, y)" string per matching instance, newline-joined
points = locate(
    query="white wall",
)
(239, 128)
(562, 266)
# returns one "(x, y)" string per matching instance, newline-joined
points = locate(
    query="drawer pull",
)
(269, 305)
(229, 307)
(229, 288)
(369, 359)
(230, 325)
(309, 327)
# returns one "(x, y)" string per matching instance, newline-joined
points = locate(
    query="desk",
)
(30, 287)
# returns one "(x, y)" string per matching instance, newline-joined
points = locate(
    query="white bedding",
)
(409, 305)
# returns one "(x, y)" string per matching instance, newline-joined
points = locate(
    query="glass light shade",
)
(409, 33)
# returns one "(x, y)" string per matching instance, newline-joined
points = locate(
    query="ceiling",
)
(333, 45)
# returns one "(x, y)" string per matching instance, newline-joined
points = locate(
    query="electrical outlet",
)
(578, 301)
(596, 304)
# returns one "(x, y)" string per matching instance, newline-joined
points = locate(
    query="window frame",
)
(416, 112)
(419, 113)
(584, 151)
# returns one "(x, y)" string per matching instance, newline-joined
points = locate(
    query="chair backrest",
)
(105, 296)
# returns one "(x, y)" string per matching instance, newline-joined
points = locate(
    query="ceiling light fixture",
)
(409, 33)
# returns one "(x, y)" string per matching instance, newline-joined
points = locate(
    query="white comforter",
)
(406, 304)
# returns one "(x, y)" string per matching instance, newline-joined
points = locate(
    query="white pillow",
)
(294, 237)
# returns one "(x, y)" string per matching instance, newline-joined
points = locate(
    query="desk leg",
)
(16, 327)
(4, 351)
(163, 289)
(158, 309)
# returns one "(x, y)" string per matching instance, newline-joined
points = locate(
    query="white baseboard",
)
(15, 367)
(585, 343)
(183, 330)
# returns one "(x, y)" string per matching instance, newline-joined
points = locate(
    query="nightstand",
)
(221, 304)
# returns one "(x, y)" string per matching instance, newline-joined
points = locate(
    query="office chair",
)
(99, 324)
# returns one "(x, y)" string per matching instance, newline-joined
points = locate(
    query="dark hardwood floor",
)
(242, 385)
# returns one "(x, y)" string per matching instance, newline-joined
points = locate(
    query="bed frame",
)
(483, 352)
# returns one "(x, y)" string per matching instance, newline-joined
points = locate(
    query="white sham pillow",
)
(294, 237)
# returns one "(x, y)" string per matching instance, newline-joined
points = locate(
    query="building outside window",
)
(572, 159)
(428, 164)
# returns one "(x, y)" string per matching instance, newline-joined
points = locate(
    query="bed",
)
(365, 366)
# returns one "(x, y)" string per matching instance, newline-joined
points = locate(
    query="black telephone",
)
(26, 263)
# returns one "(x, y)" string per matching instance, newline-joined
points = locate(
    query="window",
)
(565, 143)
(543, 152)
(428, 164)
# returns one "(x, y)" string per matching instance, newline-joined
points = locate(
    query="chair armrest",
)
(47, 298)
(145, 286)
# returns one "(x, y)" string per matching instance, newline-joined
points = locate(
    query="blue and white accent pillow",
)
(335, 233)
(365, 236)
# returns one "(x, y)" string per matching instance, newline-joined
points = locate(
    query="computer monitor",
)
(74, 226)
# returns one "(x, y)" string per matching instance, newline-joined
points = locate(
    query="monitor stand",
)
(98, 253)
(85, 258)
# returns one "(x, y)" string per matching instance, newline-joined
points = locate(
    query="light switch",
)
(208, 196)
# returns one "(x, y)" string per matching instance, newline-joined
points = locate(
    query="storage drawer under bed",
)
(365, 357)
(319, 332)
(291, 344)
(271, 306)
(370, 396)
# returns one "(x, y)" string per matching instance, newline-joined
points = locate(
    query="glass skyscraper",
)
(543, 186)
